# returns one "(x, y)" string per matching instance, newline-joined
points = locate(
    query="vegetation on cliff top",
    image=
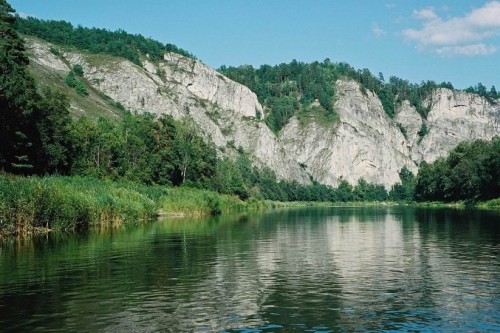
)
(117, 43)
(285, 90)
(288, 90)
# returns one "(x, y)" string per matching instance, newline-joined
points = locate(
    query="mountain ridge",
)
(230, 115)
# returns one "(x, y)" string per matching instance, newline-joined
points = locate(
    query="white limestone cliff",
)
(226, 112)
(364, 143)
(455, 117)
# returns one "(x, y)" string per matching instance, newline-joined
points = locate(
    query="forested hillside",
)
(117, 43)
(39, 137)
(288, 90)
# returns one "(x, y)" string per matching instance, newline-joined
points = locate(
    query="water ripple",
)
(303, 270)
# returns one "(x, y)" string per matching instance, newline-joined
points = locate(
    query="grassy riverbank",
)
(490, 204)
(31, 205)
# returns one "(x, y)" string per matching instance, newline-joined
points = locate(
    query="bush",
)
(72, 82)
(54, 51)
(78, 70)
(196, 202)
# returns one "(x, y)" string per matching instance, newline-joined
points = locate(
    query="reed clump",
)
(33, 204)
(185, 201)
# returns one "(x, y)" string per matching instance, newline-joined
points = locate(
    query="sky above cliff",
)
(449, 40)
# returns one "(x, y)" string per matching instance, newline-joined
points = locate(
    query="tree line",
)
(288, 90)
(116, 43)
(492, 95)
(470, 172)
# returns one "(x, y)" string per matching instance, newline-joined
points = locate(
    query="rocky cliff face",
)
(226, 112)
(454, 117)
(366, 143)
(363, 143)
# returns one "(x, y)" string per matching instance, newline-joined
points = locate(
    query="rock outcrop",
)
(455, 117)
(364, 143)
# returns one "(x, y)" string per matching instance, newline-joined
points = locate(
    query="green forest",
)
(116, 43)
(40, 138)
(287, 90)
(470, 172)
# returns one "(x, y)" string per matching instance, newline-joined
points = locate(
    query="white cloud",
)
(378, 31)
(457, 36)
(466, 50)
(425, 14)
(487, 16)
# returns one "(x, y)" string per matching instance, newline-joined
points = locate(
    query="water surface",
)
(303, 270)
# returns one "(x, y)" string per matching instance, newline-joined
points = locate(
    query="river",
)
(291, 270)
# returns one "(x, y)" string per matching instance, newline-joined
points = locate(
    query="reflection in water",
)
(316, 269)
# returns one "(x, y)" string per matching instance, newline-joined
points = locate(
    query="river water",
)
(294, 270)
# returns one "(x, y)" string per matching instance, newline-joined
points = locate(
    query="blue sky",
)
(455, 40)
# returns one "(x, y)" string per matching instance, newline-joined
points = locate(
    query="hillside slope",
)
(226, 112)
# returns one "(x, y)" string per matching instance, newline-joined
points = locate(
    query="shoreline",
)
(40, 205)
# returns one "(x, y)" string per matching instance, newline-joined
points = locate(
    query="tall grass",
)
(28, 205)
(491, 204)
(36, 204)
(196, 202)
(32, 204)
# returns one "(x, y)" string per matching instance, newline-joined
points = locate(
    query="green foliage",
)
(229, 179)
(287, 90)
(70, 79)
(54, 51)
(31, 125)
(76, 84)
(470, 172)
(240, 178)
(403, 130)
(117, 43)
(71, 203)
(405, 190)
(195, 202)
(479, 89)
(424, 130)
(318, 115)
(494, 203)
(364, 191)
(78, 70)
(81, 89)
(142, 148)
(119, 106)
(53, 126)
(17, 99)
